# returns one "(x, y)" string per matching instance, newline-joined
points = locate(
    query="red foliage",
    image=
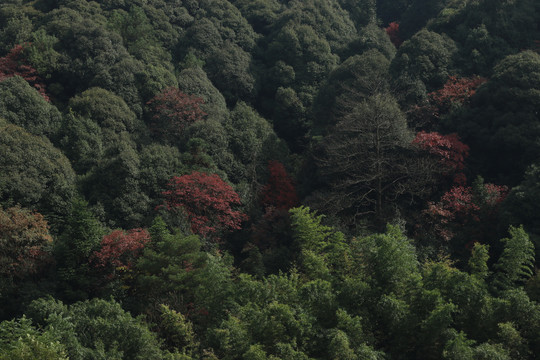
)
(456, 90)
(393, 32)
(13, 64)
(465, 205)
(173, 111)
(207, 201)
(279, 192)
(120, 248)
(459, 202)
(448, 148)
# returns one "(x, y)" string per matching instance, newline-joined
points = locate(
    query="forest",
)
(269, 179)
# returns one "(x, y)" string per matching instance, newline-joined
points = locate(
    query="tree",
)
(371, 37)
(279, 192)
(466, 214)
(207, 201)
(19, 340)
(172, 111)
(501, 123)
(354, 80)
(96, 329)
(167, 272)
(422, 64)
(34, 173)
(448, 149)
(73, 249)
(368, 161)
(517, 260)
(108, 110)
(252, 143)
(194, 81)
(456, 90)
(114, 186)
(523, 202)
(81, 140)
(322, 248)
(120, 249)
(393, 32)
(22, 105)
(24, 237)
(13, 64)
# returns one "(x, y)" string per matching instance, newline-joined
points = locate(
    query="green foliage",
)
(19, 340)
(73, 251)
(124, 203)
(96, 329)
(478, 262)
(169, 268)
(22, 105)
(333, 21)
(523, 201)
(372, 37)
(82, 142)
(158, 164)
(177, 331)
(34, 173)
(252, 142)
(41, 53)
(389, 259)
(501, 125)
(426, 57)
(109, 111)
(354, 80)
(194, 81)
(326, 80)
(517, 260)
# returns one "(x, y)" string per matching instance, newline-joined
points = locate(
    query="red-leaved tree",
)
(173, 111)
(455, 90)
(393, 32)
(469, 210)
(279, 192)
(14, 64)
(449, 150)
(120, 249)
(207, 201)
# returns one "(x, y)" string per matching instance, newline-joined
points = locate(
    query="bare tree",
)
(368, 161)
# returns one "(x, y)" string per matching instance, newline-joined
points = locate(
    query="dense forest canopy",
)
(269, 179)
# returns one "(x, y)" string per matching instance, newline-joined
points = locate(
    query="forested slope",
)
(269, 179)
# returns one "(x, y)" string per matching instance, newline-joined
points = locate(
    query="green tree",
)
(168, 269)
(517, 260)
(501, 125)
(354, 80)
(34, 173)
(422, 64)
(73, 249)
(22, 105)
(194, 81)
(114, 186)
(96, 329)
(108, 110)
(19, 340)
(82, 142)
